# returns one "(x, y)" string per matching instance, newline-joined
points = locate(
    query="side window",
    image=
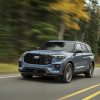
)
(84, 48)
(78, 47)
(89, 48)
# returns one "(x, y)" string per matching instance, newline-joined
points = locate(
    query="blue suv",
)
(58, 58)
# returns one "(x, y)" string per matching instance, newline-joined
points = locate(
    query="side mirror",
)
(78, 51)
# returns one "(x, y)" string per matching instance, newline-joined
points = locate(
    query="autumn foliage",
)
(71, 11)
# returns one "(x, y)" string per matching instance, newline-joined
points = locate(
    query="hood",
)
(48, 52)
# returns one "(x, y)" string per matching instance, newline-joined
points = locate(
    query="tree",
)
(93, 28)
(23, 26)
(71, 12)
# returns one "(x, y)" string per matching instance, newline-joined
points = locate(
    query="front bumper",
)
(35, 69)
(39, 72)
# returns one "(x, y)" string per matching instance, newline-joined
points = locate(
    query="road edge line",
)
(3, 77)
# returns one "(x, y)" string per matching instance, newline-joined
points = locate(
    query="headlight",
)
(22, 56)
(59, 56)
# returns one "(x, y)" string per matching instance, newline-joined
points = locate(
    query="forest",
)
(26, 24)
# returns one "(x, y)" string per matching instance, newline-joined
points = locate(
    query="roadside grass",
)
(13, 68)
(8, 68)
(97, 65)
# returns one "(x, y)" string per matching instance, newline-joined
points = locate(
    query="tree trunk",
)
(61, 31)
(83, 36)
(98, 35)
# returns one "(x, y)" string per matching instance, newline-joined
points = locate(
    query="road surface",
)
(14, 87)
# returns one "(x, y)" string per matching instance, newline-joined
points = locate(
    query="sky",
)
(97, 1)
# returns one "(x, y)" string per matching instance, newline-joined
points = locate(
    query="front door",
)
(78, 58)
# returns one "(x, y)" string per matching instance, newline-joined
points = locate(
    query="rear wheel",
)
(68, 73)
(26, 76)
(89, 73)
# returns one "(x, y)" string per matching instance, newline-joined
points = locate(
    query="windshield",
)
(65, 46)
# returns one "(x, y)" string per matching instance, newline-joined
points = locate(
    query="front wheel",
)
(89, 73)
(68, 73)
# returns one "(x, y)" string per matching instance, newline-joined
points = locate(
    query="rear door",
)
(86, 56)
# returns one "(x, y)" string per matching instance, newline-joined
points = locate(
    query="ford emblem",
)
(36, 57)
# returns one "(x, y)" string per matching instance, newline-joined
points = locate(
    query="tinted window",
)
(84, 48)
(88, 47)
(66, 46)
(78, 47)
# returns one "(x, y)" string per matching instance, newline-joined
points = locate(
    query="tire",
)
(89, 73)
(68, 73)
(26, 76)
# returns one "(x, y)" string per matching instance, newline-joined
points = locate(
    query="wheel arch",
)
(71, 63)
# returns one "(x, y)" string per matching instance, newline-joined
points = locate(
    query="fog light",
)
(57, 66)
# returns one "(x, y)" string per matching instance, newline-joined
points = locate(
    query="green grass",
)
(97, 65)
(8, 68)
(13, 68)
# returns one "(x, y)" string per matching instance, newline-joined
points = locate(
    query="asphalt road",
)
(14, 87)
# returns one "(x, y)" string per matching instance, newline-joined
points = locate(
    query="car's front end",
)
(42, 62)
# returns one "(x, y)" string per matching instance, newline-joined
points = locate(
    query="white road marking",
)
(8, 76)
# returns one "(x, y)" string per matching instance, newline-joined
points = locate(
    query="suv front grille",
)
(37, 59)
